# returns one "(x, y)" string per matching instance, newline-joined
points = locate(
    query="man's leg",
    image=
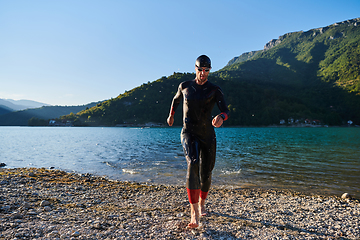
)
(191, 150)
(193, 195)
(202, 198)
(207, 163)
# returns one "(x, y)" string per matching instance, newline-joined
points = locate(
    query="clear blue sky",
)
(76, 52)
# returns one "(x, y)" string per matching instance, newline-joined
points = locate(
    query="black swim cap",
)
(203, 61)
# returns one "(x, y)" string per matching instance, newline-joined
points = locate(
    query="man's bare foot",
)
(202, 207)
(194, 223)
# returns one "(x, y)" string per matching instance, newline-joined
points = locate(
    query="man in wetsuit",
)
(198, 135)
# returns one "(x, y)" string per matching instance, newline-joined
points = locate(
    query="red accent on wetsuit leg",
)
(226, 116)
(193, 195)
(203, 195)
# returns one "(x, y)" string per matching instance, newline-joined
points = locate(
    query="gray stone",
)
(32, 213)
(32, 174)
(17, 216)
(47, 208)
(26, 205)
(346, 196)
(44, 203)
(75, 234)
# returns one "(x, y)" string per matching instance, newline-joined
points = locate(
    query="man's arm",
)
(174, 105)
(224, 115)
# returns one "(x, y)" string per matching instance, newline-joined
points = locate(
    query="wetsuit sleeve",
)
(176, 101)
(220, 100)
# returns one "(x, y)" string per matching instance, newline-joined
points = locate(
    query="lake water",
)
(313, 160)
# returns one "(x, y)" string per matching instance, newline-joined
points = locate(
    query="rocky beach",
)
(53, 204)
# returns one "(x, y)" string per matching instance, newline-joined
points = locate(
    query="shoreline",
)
(53, 204)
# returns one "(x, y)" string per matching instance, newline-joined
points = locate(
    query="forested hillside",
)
(302, 75)
(318, 70)
(149, 102)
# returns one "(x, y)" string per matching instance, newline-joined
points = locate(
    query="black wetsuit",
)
(198, 135)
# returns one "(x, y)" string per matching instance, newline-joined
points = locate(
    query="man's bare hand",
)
(217, 121)
(170, 120)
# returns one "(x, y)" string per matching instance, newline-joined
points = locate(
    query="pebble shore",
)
(52, 204)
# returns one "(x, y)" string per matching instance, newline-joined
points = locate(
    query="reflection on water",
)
(317, 160)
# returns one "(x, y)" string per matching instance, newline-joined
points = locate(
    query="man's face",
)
(202, 74)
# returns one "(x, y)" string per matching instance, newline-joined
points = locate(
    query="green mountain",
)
(313, 74)
(329, 54)
(301, 75)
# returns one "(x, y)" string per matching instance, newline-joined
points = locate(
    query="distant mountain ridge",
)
(17, 105)
(22, 117)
